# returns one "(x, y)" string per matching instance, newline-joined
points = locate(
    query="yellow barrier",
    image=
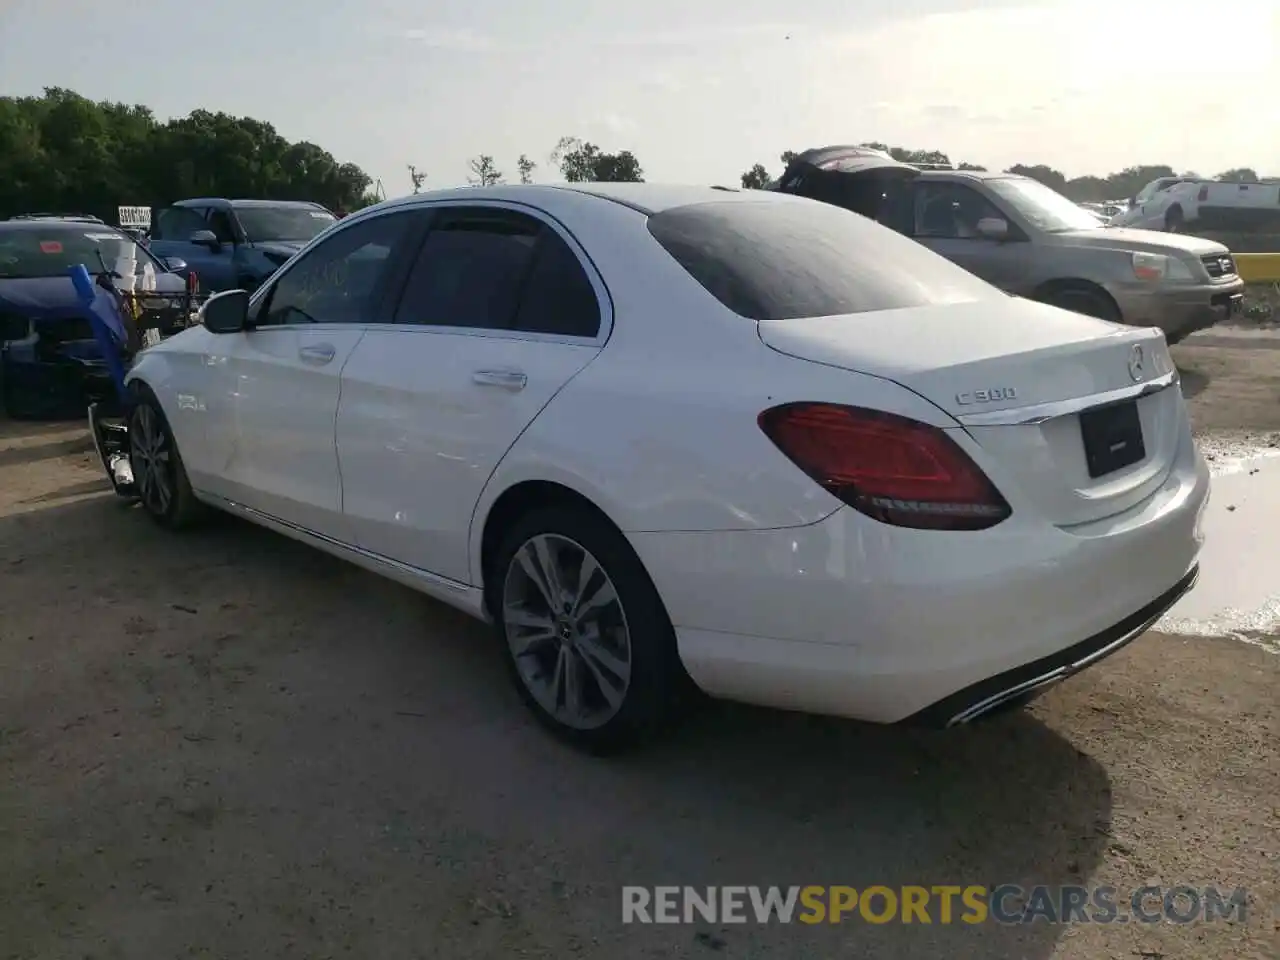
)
(1258, 267)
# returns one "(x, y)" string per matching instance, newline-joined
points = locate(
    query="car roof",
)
(222, 203)
(970, 175)
(37, 225)
(646, 198)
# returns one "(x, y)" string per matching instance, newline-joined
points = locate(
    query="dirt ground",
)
(224, 744)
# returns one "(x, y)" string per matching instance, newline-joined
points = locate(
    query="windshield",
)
(273, 224)
(1042, 206)
(48, 251)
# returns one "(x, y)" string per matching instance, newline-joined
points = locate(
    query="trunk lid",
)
(994, 366)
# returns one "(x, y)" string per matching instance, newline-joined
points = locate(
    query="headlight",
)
(1156, 266)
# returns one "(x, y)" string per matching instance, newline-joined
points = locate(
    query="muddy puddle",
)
(1239, 590)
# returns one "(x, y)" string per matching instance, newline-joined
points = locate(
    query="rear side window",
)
(470, 271)
(558, 298)
(489, 269)
(777, 260)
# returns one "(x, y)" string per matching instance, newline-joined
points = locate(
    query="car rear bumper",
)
(1021, 684)
(853, 618)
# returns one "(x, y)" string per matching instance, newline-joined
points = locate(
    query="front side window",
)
(950, 211)
(178, 223)
(780, 259)
(283, 224)
(339, 280)
(220, 224)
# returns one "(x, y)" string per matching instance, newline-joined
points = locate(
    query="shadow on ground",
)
(228, 742)
(1193, 382)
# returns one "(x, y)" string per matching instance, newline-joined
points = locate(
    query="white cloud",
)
(451, 38)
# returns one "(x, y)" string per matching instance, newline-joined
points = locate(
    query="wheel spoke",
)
(162, 489)
(572, 683)
(516, 616)
(556, 687)
(598, 656)
(586, 572)
(531, 565)
(611, 688)
(547, 559)
(600, 598)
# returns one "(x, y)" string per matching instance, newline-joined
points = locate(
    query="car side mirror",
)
(226, 312)
(993, 228)
(175, 264)
(206, 238)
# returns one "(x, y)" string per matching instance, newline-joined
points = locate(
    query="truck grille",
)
(1219, 265)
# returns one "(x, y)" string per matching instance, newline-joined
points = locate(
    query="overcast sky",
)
(698, 90)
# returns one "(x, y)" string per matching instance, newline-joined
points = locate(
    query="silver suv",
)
(1026, 238)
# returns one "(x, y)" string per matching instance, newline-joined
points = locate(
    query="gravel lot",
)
(227, 745)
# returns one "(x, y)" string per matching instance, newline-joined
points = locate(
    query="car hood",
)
(1141, 241)
(283, 248)
(39, 297)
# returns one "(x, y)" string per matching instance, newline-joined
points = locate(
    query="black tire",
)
(658, 689)
(13, 407)
(1082, 300)
(1174, 220)
(154, 456)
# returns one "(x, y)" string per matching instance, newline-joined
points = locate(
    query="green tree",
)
(63, 152)
(580, 162)
(1239, 175)
(525, 167)
(483, 171)
(1046, 175)
(757, 178)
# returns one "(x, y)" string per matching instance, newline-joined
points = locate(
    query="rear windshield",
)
(778, 260)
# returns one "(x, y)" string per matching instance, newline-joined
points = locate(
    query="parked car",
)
(236, 243)
(659, 435)
(1177, 204)
(50, 363)
(77, 217)
(1031, 241)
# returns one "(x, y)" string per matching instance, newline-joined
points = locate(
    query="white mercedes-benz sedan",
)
(670, 439)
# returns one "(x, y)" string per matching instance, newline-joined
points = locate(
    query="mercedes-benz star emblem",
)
(1137, 362)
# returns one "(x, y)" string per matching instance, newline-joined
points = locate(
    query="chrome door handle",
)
(507, 379)
(320, 354)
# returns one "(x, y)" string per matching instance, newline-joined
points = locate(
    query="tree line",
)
(61, 152)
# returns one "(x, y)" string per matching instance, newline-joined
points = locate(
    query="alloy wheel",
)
(567, 631)
(150, 459)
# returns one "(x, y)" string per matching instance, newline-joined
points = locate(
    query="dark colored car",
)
(236, 244)
(50, 362)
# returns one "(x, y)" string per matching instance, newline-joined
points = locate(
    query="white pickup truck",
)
(1176, 203)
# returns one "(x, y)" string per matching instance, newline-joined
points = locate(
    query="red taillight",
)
(893, 469)
(1203, 195)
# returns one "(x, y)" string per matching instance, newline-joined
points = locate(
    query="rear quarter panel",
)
(660, 429)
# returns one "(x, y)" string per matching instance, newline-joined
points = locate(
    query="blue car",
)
(235, 244)
(50, 363)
